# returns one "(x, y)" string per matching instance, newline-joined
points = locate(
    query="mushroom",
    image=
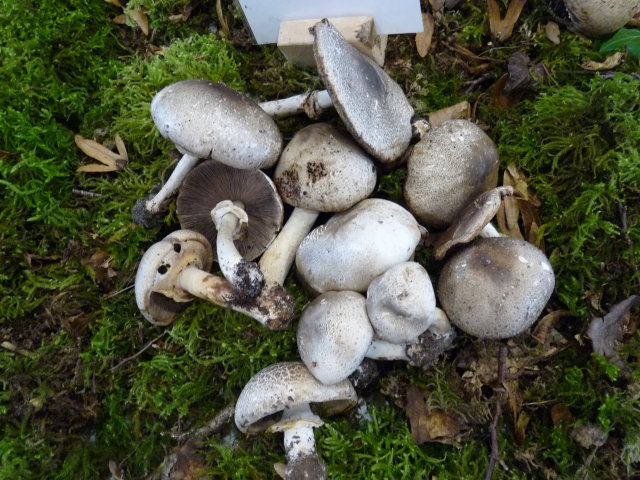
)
(284, 398)
(495, 287)
(447, 169)
(357, 245)
(595, 18)
(208, 120)
(320, 170)
(239, 211)
(174, 271)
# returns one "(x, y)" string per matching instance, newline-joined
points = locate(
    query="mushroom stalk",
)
(383, 350)
(230, 218)
(311, 103)
(276, 261)
(489, 231)
(146, 210)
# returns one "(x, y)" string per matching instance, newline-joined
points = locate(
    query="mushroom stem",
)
(230, 219)
(440, 325)
(276, 261)
(146, 210)
(383, 350)
(311, 103)
(489, 231)
(272, 308)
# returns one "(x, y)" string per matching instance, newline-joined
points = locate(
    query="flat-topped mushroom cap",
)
(357, 245)
(158, 272)
(323, 169)
(212, 182)
(496, 287)
(210, 120)
(401, 303)
(334, 334)
(282, 386)
(446, 170)
(600, 17)
(373, 107)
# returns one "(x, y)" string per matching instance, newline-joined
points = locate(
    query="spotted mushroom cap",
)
(323, 169)
(401, 303)
(496, 287)
(595, 18)
(282, 386)
(212, 182)
(157, 295)
(334, 335)
(448, 168)
(373, 107)
(210, 120)
(357, 245)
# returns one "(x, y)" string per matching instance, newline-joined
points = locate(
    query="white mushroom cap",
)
(325, 170)
(282, 386)
(210, 120)
(158, 295)
(401, 303)
(496, 287)
(452, 164)
(357, 245)
(600, 17)
(334, 334)
(373, 107)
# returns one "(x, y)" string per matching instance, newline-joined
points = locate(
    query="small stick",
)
(139, 352)
(217, 423)
(85, 193)
(495, 447)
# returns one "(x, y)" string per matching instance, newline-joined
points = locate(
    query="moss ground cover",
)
(70, 406)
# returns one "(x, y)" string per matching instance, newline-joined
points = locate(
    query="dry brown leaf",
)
(120, 146)
(424, 38)
(430, 424)
(606, 333)
(502, 27)
(95, 168)
(610, 63)
(120, 19)
(452, 112)
(142, 20)
(552, 31)
(100, 262)
(110, 161)
(561, 414)
(547, 323)
(117, 3)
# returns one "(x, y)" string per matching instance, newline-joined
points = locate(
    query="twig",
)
(139, 352)
(85, 193)
(495, 447)
(113, 294)
(216, 424)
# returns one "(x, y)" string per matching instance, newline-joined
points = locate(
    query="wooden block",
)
(296, 41)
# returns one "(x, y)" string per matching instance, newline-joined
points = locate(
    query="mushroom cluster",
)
(372, 299)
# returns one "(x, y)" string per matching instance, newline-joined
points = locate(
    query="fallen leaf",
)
(609, 63)
(606, 333)
(114, 2)
(424, 38)
(110, 161)
(502, 27)
(552, 31)
(142, 20)
(430, 424)
(560, 414)
(452, 112)
(543, 329)
(120, 19)
(100, 263)
(120, 146)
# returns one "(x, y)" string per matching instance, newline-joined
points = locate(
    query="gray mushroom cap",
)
(282, 386)
(210, 120)
(156, 296)
(496, 287)
(452, 164)
(372, 106)
(323, 169)
(357, 245)
(595, 18)
(401, 303)
(334, 334)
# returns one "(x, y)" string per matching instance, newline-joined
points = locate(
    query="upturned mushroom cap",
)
(285, 385)
(157, 297)
(452, 164)
(210, 120)
(323, 169)
(401, 303)
(212, 182)
(595, 18)
(372, 106)
(334, 334)
(496, 287)
(357, 245)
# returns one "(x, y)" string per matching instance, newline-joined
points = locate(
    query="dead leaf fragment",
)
(109, 161)
(502, 27)
(606, 333)
(610, 63)
(120, 19)
(424, 38)
(560, 414)
(452, 112)
(429, 424)
(142, 20)
(552, 31)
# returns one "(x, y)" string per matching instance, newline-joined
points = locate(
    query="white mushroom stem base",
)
(489, 231)
(310, 103)
(230, 219)
(269, 308)
(147, 211)
(276, 261)
(383, 350)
